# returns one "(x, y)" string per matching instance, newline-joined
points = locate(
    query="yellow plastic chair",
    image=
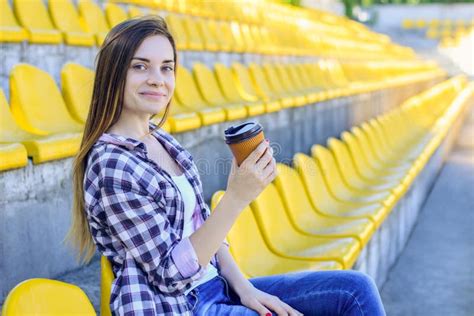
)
(47, 297)
(284, 240)
(195, 38)
(208, 35)
(263, 89)
(94, 19)
(338, 187)
(307, 220)
(106, 279)
(114, 14)
(40, 148)
(34, 17)
(176, 27)
(10, 30)
(181, 119)
(252, 254)
(229, 89)
(188, 95)
(37, 105)
(77, 84)
(134, 12)
(223, 42)
(325, 203)
(281, 89)
(209, 88)
(12, 156)
(66, 19)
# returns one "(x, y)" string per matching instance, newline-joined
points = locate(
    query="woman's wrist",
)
(234, 202)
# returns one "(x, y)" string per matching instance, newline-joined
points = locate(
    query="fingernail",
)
(268, 314)
(267, 142)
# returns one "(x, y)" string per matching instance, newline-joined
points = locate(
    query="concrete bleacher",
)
(305, 90)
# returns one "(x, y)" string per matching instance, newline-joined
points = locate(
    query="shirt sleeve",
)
(142, 227)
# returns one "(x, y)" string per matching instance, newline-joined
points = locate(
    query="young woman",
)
(138, 198)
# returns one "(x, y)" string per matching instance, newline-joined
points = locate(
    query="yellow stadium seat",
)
(66, 19)
(134, 12)
(325, 203)
(182, 119)
(224, 43)
(34, 17)
(46, 297)
(77, 84)
(40, 148)
(208, 35)
(94, 19)
(12, 156)
(187, 94)
(106, 279)
(351, 173)
(10, 30)
(263, 89)
(176, 27)
(224, 36)
(307, 220)
(338, 188)
(248, 90)
(284, 240)
(252, 254)
(228, 86)
(195, 38)
(37, 104)
(299, 74)
(281, 87)
(114, 14)
(247, 37)
(239, 42)
(209, 88)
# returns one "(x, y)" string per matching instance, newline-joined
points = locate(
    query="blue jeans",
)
(311, 293)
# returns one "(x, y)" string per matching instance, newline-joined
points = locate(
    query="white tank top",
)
(189, 200)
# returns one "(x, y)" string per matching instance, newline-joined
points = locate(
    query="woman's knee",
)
(360, 282)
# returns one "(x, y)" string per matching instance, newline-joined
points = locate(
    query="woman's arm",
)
(244, 185)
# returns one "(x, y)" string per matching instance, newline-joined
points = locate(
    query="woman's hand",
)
(254, 174)
(264, 303)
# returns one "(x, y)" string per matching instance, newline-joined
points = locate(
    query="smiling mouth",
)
(153, 95)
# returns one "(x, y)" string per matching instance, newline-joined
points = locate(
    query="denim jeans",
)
(311, 293)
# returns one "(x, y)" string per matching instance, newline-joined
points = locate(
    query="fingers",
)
(258, 307)
(256, 154)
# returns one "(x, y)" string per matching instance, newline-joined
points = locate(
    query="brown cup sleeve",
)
(243, 149)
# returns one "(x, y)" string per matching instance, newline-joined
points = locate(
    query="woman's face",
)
(150, 78)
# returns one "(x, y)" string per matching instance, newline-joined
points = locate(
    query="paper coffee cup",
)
(243, 139)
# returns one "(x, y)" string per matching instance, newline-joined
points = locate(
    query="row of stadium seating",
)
(31, 20)
(202, 97)
(332, 204)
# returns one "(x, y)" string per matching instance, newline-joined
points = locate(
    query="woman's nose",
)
(155, 78)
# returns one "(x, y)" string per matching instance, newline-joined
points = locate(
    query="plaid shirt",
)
(135, 213)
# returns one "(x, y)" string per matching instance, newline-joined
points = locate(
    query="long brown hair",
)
(112, 64)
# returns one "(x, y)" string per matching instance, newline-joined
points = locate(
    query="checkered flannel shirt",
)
(135, 214)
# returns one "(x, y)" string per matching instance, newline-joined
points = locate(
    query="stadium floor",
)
(434, 275)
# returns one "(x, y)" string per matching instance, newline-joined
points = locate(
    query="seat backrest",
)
(93, 16)
(195, 37)
(359, 150)
(328, 165)
(7, 18)
(224, 35)
(260, 82)
(247, 37)
(114, 14)
(227, 83)
(246, 243)
(46, 297)
(271, 216)
(106, 279)
(77, 84)
(293, 195)
(273, 79)
(207, 34)
(207, 85)
(343, 158)
(64, 16)
(176, 27)
(186, 90)
(37, 103)
(32, 14)
(238, 37)
(313, 180)
(244, 82)
(134, 12)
